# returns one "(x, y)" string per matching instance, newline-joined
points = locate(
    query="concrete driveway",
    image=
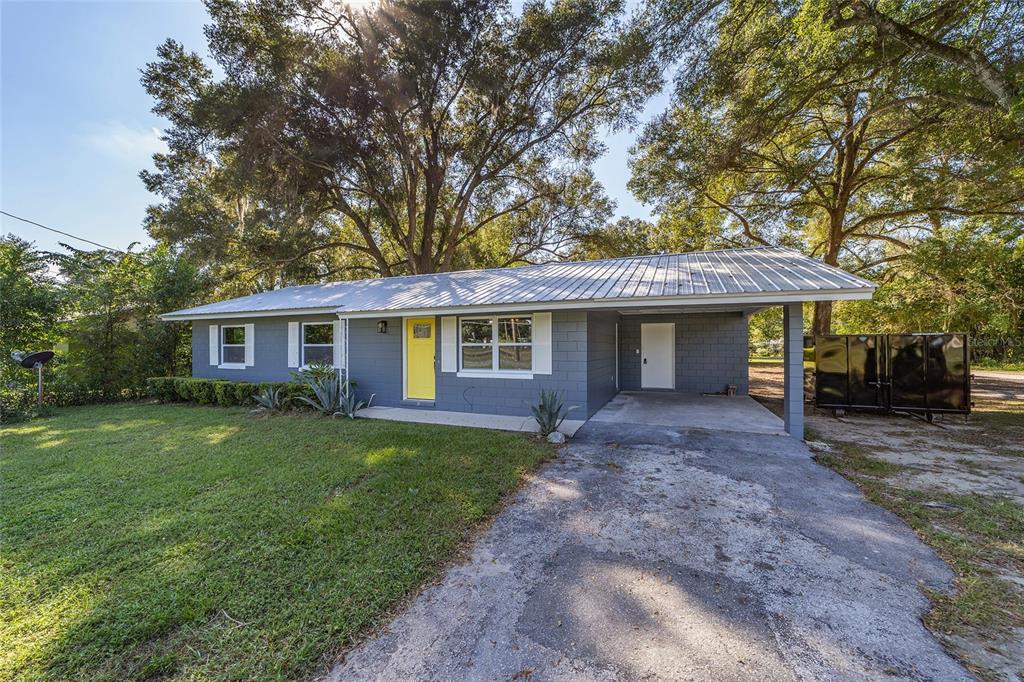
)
(649, 552)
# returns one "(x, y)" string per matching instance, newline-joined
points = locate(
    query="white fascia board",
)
(286, 312)
(759, 299)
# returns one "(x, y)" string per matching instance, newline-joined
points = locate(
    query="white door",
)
(657, 355)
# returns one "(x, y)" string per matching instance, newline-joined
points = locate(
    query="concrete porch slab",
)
(714, 412)
(470, 419)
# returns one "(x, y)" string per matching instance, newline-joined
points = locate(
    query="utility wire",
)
(66, 234)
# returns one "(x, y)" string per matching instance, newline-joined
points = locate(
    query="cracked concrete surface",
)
(658, 553)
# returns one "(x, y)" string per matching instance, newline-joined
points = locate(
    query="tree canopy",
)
(99, 309)
(31, 303)
(398, 139)
(796, 123)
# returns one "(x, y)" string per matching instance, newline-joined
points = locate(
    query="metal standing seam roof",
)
(678, 278)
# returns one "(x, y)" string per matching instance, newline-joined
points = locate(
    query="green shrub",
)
(224, 394)
(16, 404)
(218, 391)
(316, 372)
(162, 388)
(20, 403)
(291, 391)
(204, 392)
(244, 391)
(181, 389)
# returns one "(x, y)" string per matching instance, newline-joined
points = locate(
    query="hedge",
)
(17, 403)
(216, 391)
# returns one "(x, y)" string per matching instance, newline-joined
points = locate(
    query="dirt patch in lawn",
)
(960, 484)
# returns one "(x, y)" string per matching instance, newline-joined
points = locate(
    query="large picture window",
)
(496, 344)
(232, 347)
(317, 343)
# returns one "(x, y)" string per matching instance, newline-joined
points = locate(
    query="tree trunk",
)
(822, 324)
(843, 183)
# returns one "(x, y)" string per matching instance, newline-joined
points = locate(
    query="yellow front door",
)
(419, 358)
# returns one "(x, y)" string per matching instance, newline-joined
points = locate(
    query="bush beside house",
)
(218, 391)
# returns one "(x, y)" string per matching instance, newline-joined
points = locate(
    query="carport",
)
(673, 366)
(688, 411)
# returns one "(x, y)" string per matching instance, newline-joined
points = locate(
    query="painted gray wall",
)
(270, 348)
(375, 360)
(711, 351)
(514, 396)
(600, 359)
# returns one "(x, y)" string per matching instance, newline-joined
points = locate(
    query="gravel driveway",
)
(651, 553)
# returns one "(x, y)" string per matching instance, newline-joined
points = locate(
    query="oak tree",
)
(785, 130)
(398, 133)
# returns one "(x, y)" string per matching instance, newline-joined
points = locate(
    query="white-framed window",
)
(317, 342)
(500, 344)
(232, 344)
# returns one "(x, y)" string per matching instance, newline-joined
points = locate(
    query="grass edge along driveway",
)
(172, 541)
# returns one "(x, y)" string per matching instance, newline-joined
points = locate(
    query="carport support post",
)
(793, 369)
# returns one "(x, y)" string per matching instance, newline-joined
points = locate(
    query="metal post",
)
(39, 368)
(793, 369)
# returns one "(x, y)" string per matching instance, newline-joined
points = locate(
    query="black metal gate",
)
(927, 373)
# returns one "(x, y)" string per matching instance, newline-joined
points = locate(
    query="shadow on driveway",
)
(652, 552)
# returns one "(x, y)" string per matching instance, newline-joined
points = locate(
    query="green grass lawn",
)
(144, 541)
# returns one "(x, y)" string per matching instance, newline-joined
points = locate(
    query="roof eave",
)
(750, 298)
(185, 315)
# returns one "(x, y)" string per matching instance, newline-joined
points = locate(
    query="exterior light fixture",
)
(382, 327)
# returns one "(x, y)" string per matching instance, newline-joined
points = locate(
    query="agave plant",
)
(550, 412)
(316, 371)
(331, 395)
(348, 405)
(270, 400)
(326, 392)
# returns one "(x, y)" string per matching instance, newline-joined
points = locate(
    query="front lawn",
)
(173, 541)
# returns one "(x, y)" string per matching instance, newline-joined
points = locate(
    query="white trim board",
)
(494, 374)
(287, 312)
(405, 365)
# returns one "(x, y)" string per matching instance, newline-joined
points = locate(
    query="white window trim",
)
(302, 343)
(231, 365)
(494, 373)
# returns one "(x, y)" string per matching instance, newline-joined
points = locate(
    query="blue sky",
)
(76, 125)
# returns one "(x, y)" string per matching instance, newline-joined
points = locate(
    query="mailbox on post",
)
(34, 361)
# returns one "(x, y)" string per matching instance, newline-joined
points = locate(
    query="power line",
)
(66, 234)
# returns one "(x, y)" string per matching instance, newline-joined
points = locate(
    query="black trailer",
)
(927, 373)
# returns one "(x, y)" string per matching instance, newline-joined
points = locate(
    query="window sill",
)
(231, 365)
(470, 374)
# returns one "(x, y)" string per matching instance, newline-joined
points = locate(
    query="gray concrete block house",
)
(487, 341)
